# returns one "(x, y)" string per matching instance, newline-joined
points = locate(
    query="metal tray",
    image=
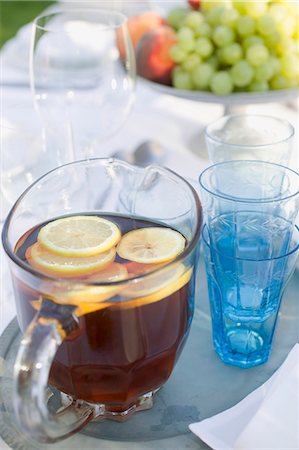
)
(200, 386)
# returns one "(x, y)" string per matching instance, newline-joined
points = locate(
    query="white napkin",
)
(268, 418)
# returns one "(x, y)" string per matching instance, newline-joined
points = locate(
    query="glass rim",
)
(237, 258)
(246, 200)
(73, 281)
(94, 11)
(265, 116)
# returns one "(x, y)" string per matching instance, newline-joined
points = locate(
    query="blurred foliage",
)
(14, 14)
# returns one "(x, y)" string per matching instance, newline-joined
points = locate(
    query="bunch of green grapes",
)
(237, 46)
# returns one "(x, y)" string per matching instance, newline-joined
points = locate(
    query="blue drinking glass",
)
(245, 339)
(250, 244)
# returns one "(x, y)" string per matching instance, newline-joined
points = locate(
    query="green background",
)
(14, 14)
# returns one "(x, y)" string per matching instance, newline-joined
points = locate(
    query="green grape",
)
(257, 54)
(186, 39)
(203, 30)
(245, 26)
(293, 83)
(191, 61)
(185, 33)
(287, 27)
(296, 34)
(272, 39)
(221, 83)
(242, 73)
(239, 5)
(278, 11)
(292, 8)
(279, 82)
(177, 69)
(229, 17)
(252, 40)
(264, 72)
(208, 5)
(232, 53)
(289, 66)
(275, 64)
(236, 45)
(176, 16)
(285, 46)
(266, 25)
(193, 19)
(256, 8)
(259, 86)
(219, 55)
(213, 61)
(223, 36)
(204, 47)
(181, 79)
(177, 53)
(240, 89)
(202, 75)
(213, 17)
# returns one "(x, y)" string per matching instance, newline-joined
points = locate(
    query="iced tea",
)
(127, 342)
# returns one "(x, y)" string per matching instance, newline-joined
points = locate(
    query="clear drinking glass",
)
(23, 154)
(82, 69)
(106, 346)
(250, 243)
(250, 137)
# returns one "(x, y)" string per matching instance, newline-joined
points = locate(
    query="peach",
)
(195, 4)
(138, 25)
(152, 55)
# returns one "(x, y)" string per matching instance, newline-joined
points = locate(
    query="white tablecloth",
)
(175, 123)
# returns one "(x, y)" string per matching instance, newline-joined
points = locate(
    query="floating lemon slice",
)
(87, 300)
(89, 296)
(135, 269)
(113, 272)
(79, 236)
(153, 282)
(151, 245)
(66, 266)
(160, 293)
(95, 298)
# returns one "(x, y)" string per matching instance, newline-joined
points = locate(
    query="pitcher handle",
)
(31, 372)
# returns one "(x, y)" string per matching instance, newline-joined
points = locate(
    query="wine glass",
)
(82, 71)
(23, 153)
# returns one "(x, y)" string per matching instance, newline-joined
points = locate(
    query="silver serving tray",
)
(200, 386)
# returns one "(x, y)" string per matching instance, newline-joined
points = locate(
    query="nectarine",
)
(138, 25)
(195, 4)
(152, 54)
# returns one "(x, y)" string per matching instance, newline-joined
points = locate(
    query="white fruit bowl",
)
(235, 103)
(231, 100)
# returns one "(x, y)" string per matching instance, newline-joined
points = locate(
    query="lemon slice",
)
(151, 245)
(79, 236)
(66, 266)
(135, 269)
(95, 298)
(88, 295)
(111, 273)
(153, 282)
(160, 293)
(87, 300)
